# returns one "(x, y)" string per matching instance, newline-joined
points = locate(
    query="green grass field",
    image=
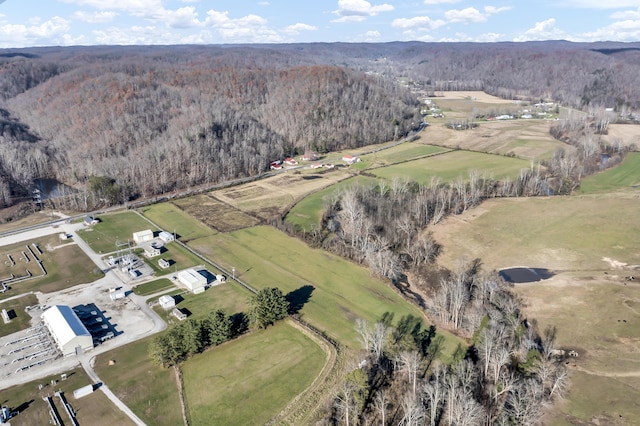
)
(150, 391)
(308, 212)
(452, 165)
(563, 233)
(66, 267)
(154, 287)
(171, 218)
(230, 297)
(623, 176)
(249, 380)
(403, 152)
(118, 226)
(341, 290)
(93, 409)
(177, 256)
(22, 319)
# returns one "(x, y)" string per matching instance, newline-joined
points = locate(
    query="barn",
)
(67, 330)
(143, 236)
(194, 281)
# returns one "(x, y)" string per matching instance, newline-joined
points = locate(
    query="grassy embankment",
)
(625, 176)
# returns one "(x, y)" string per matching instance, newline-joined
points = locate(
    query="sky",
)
(25, 23)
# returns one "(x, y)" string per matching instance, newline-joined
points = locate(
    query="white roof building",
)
(194, 281)
(167, 302)
(166, 236)
(142, 236)
(67, 330)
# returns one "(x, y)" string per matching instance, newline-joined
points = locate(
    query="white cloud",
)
(417, 21)
(626, 14)
(185, 17)
(296, 28)
(627, 30)
(601, 4)
(150, 9)
(544, 30)
(247, 29)
(441, 1)
(54, 31)
(95, 17)
(471, 14)
(372, 35)
(358, 10)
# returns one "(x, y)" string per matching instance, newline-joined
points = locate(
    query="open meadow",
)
(452, 165)
(171, 218)
(22, 319)
(624, 177)
(93, 409)
(214, 213)
(102, 236)
(65, 263)
(589, 244)
(149, 390)
(250, 379)
(398, 154)
(332, 292)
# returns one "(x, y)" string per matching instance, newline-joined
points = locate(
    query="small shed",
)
(90, 220)
(164, 264)
(143, 236)
(165, 236)
(179, 314)
(151, 251)
(167, 302)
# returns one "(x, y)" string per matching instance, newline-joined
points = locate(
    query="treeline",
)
(155, 125)
(506, 377)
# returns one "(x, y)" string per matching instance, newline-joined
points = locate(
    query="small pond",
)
(525, 275)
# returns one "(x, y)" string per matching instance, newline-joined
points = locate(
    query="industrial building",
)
(193, 280)
(165, 236)
(143, 236)
(70, 335)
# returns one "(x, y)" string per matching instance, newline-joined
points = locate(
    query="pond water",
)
(51, 188)
(525, 275)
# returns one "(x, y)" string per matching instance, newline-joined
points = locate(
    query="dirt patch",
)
(215, 213)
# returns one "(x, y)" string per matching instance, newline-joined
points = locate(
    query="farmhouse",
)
(70, 335)
(290, 161)
(194, 281)
(316, 166)
(143, 236)
(350, 159)
(276, 165)
(167, 302)
(166, 237)
(309, 156)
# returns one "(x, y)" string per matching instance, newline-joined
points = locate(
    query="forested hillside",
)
(126, 122)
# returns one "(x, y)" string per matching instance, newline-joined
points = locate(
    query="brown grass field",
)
(591, 244)
(275, 195)
(215, 214)
(628, 133)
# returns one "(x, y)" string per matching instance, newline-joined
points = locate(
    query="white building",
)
(150, 251)
(143, 236)
(167, 302)
(194, 281)
(165, 236)
(69, 333)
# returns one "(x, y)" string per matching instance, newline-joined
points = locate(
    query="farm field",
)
(627, 133)
(337, 291)
(274, 196)
(308, 212)
(398, 154)
(215, 214)
(589, 243)
(280, 364)
(171, 218)
(93, 409)
(66, 266)
(22, 319)
(150, 391)
(452, 165)
(114, 227)
(625, 176)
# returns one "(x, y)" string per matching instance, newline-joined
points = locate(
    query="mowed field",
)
(590, 243)
(114, 227)
(171, 218)
(404, 152)
(453, 165)
(249, 380)
(624, 177)
(94, 409)
(22, 319)
(337, 292)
